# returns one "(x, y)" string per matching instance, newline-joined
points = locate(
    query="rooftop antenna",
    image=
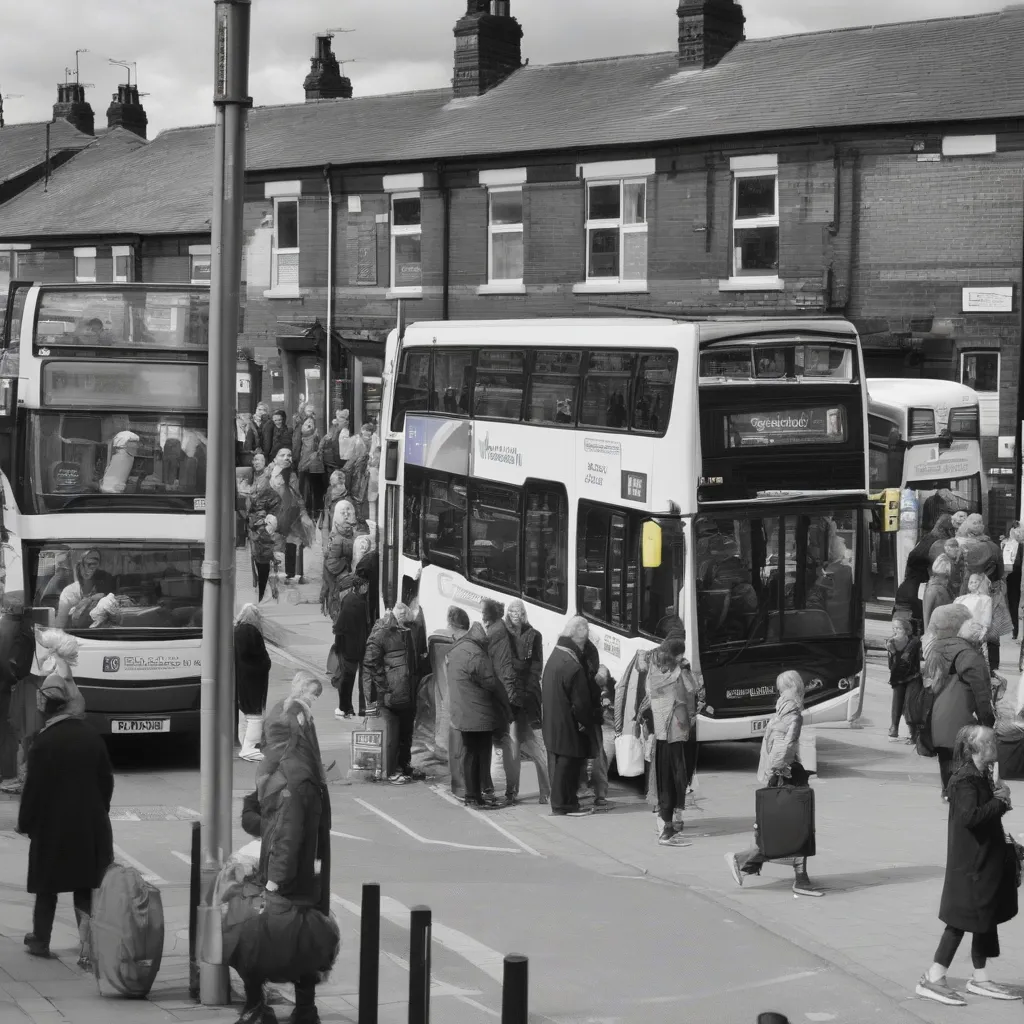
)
(77, 52)
(332, 32)
(349, 60)
(129, 66)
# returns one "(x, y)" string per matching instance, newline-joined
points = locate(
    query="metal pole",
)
(330, 297)
(515, 989)
(231, 98)
(369, 954)
(419, 966)
(194, 899)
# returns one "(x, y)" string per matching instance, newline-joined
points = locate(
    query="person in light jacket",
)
(979, 892)
(938, 591)
(780, 765)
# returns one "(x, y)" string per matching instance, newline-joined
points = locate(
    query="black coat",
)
(980, 890)
(65, 808)
(252, 669)
(568, 706)
(350, 629)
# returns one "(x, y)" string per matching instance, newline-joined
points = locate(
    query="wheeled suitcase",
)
(785, 822)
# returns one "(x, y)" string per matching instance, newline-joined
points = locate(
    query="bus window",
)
(453, 377)
(606, 390)
(444, 519)
(412, 514)
(545, 545)
(494, 515)
(554, 384)
(499, 385)
(607, 567)
(653, 401)
(660, 588)
(412, 388)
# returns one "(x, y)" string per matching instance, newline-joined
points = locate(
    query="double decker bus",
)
(925, 439)
(635, 471)
(103, 419)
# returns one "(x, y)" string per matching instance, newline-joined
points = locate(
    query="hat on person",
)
(947, 620)
(975, 525)
(55, 687)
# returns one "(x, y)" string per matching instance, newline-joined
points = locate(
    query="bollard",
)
(369, 954)
(193, 910)
(419, 966)
(515, 990)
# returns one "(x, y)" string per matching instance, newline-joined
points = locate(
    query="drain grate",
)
(152, 813)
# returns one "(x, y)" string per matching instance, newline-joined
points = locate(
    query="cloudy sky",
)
(396, 44)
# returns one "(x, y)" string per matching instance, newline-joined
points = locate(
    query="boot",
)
(253, 735)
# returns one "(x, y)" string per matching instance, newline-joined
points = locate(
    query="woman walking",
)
(311, 468)
(252, 678)
(780, 766)
(980, 889)
(337, 557)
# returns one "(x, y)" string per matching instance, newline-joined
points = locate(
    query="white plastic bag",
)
(629, 756)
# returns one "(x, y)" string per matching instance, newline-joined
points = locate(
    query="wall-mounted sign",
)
(243, 383)
(988, 300)
(1006, 446)
(634, 486)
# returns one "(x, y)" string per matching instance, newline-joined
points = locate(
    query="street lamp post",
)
(231, 99)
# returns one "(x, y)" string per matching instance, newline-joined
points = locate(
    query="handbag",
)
(785, 821)
(629, 756)
(1014, 857)
(333, 664)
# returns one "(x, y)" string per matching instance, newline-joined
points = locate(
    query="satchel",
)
(785, 821)
(629, 756)
(1014, 857)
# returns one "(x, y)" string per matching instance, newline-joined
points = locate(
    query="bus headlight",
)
(849, 684)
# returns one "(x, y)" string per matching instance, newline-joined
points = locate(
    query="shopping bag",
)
(785, 821)
(629, 756)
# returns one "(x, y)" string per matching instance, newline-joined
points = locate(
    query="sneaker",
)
(339, 714)
(37, 948)
(349, 714)
(939, 991)
(414, 773)
(603, 804)
(734, 868)
(804, 887)
(580, 812)
(509, 801)
(991, 990)
(478, 805)
(397, 779)
(84, 963)
(894, 734)
(672, 838)
(542, 800)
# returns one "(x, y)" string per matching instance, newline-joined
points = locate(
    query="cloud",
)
(395, 44)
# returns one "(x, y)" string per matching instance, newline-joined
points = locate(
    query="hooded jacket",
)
(478, 702)
(780, 747)
(670, 709)
(389, 664)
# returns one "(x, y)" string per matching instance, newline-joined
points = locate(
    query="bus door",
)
(12, 574)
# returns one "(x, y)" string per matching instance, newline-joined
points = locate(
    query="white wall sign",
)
(1006, 445)
(243, 383)
(988, 300)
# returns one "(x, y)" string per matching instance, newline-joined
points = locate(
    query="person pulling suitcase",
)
(785, 820)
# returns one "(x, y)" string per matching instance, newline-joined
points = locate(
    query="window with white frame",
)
(85, 266)
(505, 230)
(285, 256)
(979, 369)
(617, 230)
(200, 264)
(755, 217)
(406, 235)
(122, 260)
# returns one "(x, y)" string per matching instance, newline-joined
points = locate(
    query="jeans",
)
(476, 751)
(401, 722)
(46, 907)
(750, 862)
(506, 742)
(983, 946)
(531, 748)
(565, 778)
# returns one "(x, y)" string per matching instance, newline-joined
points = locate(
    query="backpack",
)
(126, 933)
(918, 713)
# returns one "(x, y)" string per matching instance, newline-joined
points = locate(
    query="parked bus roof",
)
(901, 393)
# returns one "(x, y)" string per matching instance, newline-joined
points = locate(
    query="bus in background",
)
(534, 459)
(925, 439)
(103, 412)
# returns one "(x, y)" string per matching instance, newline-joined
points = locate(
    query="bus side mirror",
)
(651, 545)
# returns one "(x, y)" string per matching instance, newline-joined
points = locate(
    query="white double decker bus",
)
(532, 458)
(924, 438)
(103, 413)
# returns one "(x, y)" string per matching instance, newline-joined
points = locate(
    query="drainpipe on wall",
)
(330, 295)
(446, 196)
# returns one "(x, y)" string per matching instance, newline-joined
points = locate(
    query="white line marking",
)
(149, 876)
(182, 856)
(482, 957)
(433, 842)
(445, 795)
(442, 988)
(767, 983)
(300, 662)
(345, 835)
(188, 810)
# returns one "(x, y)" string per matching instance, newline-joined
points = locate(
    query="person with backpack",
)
(904, 650)
(65, 810)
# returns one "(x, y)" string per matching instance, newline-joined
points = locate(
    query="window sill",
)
(502, 288)
(288, 292)
(598, 287)
(404, 293)
(751, 284)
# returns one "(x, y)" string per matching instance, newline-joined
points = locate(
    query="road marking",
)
(300, 662)
(345, 835)
(182, 856)
(782, 979)
(445, 795)
(150, 876)
(482, 957)
(431, 842)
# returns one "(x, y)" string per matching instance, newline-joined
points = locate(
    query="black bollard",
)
(771, 1017)
(419, 966)
(369, 954)
(515, 990)
(193, 910)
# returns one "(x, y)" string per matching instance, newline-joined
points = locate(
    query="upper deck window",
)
(783, 359)
(500, 384)
(607, 389)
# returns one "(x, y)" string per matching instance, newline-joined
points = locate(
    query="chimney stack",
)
(708, 30)
(488, 47)
(126, 111)
(325, 80)
(72, 106)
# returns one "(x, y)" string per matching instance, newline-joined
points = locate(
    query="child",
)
(904, 671)
(264, 558)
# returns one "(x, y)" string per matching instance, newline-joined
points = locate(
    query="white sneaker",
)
(734, 868)
(939, 991)
(990, 990)
(338, 713)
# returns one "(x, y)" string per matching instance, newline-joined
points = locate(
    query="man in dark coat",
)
(919, 564)
(479, 705)
(350, 635)
(980, 888)
(65, 808)
(568, 716)
(499, 647)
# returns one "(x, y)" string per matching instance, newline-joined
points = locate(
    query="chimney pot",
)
(488, 47)
(126, 111)
(71, 106)
(708, 30)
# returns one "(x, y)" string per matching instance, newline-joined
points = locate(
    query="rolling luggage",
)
(785, 821)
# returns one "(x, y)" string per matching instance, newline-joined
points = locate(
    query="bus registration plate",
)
(759, 726)
(141, 725)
